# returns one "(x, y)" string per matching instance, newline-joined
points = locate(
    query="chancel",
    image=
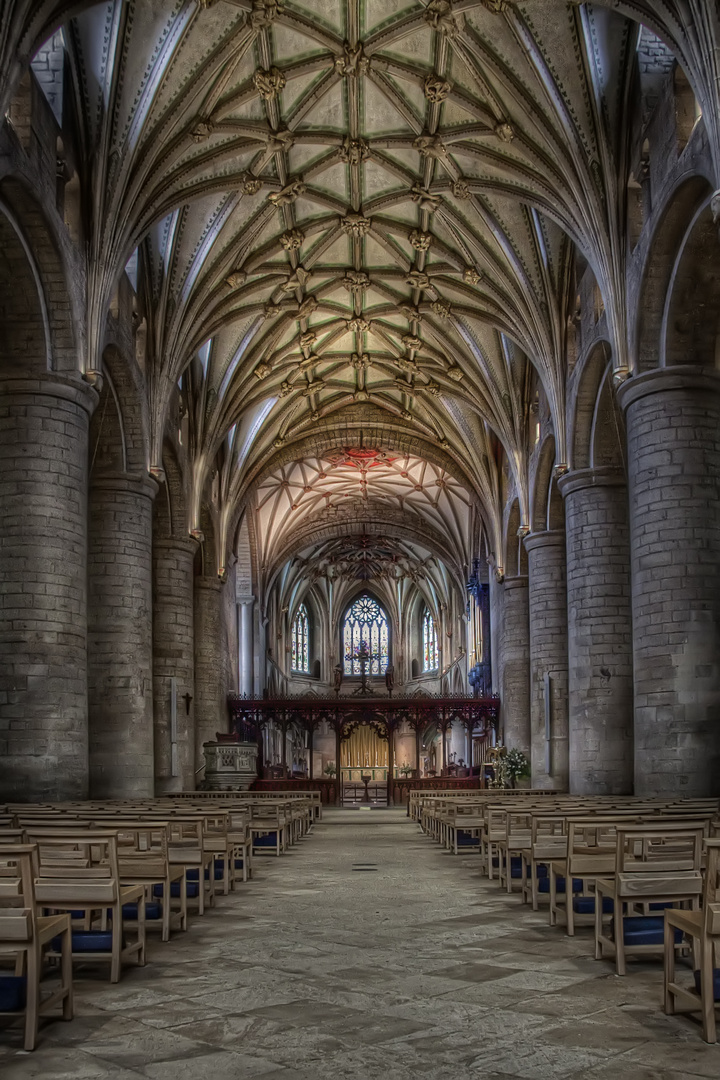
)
(359, 538)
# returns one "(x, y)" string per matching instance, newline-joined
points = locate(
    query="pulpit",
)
(230, 766)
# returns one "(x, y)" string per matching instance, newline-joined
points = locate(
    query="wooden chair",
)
(590, 853)
(78, 871)
(655, 864)
(25, 936)
(703, 928)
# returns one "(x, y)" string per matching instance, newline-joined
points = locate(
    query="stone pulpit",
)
(230, 766)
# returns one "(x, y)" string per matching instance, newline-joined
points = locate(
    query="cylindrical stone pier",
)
(173, 659)
(673, 435)
(44, 423)
(120, 693)
(515, 664)
(211, 713)
(600, 686)
(548, 659)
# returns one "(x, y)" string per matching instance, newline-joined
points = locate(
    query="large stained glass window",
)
(301, 641)
(365, 623)
(430, 643)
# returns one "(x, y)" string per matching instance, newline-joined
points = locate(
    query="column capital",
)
(604, 476)
(551, 538)
(519, 582)
(70, 386)
(132, 483)
(660, 380)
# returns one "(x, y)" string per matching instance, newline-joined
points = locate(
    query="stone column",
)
(173, 658)
(515, 664)
(44, 424)
(120, 692)
(673, 435)
(245, 638)
(548, 658)
(211, 713)
(600, 690)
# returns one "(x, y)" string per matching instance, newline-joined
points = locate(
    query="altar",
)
(364, 753)
(354, 775)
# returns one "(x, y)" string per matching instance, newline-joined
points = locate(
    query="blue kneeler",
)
(645, 930)
(585, 905)
(13, 993)
(193, 889)
(697, 975)
(152, 911)
(89, 941)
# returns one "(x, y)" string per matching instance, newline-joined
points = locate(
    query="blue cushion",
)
(466, 839)
(541, 870)
(645, 930)
(544, 885)
(585, 905)
(266, 841)
(193, 889)
(698, 983)
(13, 990)
(87, 941)
(238, 864)
(152, 911)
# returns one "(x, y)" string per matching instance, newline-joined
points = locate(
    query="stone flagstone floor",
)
(415, 969)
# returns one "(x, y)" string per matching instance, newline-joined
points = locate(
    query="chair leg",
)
(598, 924)
(67, 974)
(706, 990)
(166, 905)
(116, 955)
(141, 929)
(32, 1001)
(669, 964)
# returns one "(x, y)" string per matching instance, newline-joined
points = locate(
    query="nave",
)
(368, 951)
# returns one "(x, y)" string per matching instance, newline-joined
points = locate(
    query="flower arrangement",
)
(516, 765)
(405, 769)
(330, 769)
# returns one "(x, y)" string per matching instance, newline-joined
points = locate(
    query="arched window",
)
(430, 643)
(365, 622)
(301, 641)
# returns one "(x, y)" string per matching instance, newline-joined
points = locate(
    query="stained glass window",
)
(301, 641)
(366, 623)
(430, 643)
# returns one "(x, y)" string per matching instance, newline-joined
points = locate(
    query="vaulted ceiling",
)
(356, 214)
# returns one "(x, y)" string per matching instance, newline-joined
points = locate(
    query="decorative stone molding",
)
(352, 62)
(269, 83)
(288, 194)
(292, 239)
(425, 199)
(354, 151)
(436, 89)
(440, 16)
(356, 225)
(264, 12)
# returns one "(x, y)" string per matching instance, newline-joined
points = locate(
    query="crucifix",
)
(362, 654)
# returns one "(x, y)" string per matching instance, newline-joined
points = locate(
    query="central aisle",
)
(368, 952)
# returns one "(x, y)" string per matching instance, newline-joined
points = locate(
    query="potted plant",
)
(405, 770)
(517, 767)
(330, 769)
